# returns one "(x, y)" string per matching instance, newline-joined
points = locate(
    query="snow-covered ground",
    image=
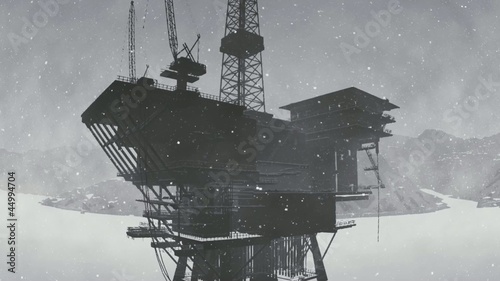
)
(460, 243)
(55, 244)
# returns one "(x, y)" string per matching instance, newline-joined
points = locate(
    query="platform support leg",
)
(180, 271)
(197, 263)
(211, 258)
(318, 260)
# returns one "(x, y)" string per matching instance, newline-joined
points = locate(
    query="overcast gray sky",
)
(429, 59)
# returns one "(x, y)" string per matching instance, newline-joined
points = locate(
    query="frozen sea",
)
(459, 243)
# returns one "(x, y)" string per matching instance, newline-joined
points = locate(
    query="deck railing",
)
(173, 88)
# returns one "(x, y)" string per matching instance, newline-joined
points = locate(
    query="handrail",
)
(304, 116)
(174, 88)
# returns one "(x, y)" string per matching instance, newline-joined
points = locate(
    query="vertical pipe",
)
(336, 172)
(273, 259)
(294, 269)
(282, 255)
(290, 255)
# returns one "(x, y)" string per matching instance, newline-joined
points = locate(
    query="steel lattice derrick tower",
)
(242, 80)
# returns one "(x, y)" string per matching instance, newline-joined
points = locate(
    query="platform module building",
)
(336, 126)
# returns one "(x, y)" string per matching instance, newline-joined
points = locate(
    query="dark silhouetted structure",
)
(230, 192)
(222, 185)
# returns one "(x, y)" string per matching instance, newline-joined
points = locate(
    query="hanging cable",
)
(152, 226)
(143, 177)
(145, 14)
(198, 52)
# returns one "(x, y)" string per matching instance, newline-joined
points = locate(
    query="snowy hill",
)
(82, 182)
(114, 197)
(118, 197)
(491, 192)
(464, 168)
(57, 170)
(397, 198)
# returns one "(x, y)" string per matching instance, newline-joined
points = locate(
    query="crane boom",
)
(172, 28)
(184, 69)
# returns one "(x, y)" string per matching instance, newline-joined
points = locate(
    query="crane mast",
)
(131, 42)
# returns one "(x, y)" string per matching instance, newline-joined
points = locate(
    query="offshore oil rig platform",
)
(230, 192)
